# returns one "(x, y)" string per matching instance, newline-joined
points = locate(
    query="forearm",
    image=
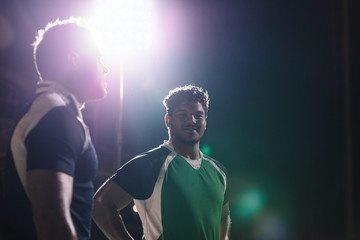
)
(225, 223)
(50, 194)
(225, 227)
(54, 225)
(110, 222)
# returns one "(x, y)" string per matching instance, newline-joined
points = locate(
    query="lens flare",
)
(124, 27)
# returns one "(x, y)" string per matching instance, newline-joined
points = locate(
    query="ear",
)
(73, 59)
(167, 119)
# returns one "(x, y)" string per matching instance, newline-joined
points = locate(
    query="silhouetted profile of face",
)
(66, 52)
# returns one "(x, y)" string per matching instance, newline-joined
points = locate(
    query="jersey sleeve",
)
(227, 191)
(56, 142)
(226, 172)
(138, 176)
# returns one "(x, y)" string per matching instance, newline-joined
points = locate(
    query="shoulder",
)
(138, 176)
(216, 163)
(47, 101)
(38, 109)
(59, 124)
(58, 136)
(47, 113)
(58, 127)
(155, 153)
(61, 120)
(147, 161)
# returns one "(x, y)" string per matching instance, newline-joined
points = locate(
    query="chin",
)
(189, 142)
(96, 95)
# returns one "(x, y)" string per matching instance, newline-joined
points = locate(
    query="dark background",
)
(283, 83)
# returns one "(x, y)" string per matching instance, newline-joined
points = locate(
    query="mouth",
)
(191, 129)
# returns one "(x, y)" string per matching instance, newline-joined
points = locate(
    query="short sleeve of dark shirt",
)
(55, 142)
(138, 176)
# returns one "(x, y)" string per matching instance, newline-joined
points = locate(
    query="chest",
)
(201, 188)
(86, 165)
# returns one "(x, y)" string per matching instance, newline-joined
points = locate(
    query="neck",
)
(191, 151)
(65, 90)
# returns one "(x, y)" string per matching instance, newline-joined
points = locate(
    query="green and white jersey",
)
(177, 198)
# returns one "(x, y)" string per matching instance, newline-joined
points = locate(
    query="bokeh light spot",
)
(250, 202)
(206, 149)
(134, 208)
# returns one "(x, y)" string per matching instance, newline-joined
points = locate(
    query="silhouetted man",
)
(49, 189)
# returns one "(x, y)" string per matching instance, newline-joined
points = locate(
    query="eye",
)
(181, 115)
(199, 116)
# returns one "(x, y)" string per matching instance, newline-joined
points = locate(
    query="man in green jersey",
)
(180, 193)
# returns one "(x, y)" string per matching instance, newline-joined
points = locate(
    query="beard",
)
(188, 141)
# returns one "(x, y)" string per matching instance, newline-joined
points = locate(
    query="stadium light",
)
(125, 30)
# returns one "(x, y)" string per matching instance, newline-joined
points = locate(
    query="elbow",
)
(102, 206)
(97, 206)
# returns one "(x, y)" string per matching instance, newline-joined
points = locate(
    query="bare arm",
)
(108, 200)
(225, 223)
(50, 194)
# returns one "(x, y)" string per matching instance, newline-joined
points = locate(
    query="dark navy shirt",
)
(50, 136)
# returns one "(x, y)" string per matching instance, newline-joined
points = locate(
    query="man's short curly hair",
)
(188, 93)
(56, 40)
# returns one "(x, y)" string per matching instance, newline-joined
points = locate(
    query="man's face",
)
(91, 76)
(187, 123)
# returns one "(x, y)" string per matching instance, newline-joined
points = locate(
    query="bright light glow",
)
(124, 27)
(206, 149)
(250, 202)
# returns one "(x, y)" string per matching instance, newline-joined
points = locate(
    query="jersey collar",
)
(69, 98)
(169, 146)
